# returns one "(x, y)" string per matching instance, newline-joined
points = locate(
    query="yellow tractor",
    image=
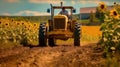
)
(59, 27)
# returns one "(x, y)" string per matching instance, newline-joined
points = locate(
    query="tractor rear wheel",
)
(42, 35)
(51, 42)
(77, 34)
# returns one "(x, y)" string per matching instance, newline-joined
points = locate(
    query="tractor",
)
(59, 27)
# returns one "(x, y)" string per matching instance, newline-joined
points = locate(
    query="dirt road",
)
(58, 56)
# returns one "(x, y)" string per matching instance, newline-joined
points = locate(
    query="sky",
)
(39, 7)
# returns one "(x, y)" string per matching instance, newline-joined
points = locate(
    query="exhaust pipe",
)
(61, 4)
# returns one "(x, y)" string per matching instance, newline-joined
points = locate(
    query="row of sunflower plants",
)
(110, 27)
(20, 32)
(110, 40)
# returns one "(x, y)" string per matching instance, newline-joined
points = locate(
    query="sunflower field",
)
(19, 32)
(110, 27)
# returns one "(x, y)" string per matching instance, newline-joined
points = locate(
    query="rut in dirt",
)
(58, 56)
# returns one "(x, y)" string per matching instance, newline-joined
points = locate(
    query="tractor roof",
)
(60, 7)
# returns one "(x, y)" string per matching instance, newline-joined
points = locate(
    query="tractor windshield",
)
(66, 12)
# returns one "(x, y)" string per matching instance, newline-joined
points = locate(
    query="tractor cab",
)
(53, 8)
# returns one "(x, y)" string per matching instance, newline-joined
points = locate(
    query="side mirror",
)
(48, 10)
(74, 10)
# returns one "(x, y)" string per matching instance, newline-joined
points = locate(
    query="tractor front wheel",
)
(42, 35)
(77, 34)
(51, 42)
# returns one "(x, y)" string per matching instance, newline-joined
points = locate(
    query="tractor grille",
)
(59, 23)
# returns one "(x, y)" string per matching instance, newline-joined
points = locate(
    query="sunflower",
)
(23, 23)
(17, 23)
(114, 14)
(102, 7)
(114, 3)
(0, 23)
(35, 24)
(6, 24)
(119, 16)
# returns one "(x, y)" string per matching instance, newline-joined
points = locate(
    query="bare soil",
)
(58, 56)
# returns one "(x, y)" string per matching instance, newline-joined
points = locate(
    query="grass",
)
(83, 22)
(90, 34)
(87, 22)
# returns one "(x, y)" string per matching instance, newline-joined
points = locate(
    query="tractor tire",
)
(42, 35)
(77, 34)
(51, 42)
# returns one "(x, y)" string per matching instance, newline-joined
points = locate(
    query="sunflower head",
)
(114, 14)
(6, 24)
(22, 23)
(18, 23)
(102, 7)
(114, 3)
(35, 24)
(29, 25)
(0, 23)
(25, 26)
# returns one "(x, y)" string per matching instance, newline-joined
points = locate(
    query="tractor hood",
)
(60, 22)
